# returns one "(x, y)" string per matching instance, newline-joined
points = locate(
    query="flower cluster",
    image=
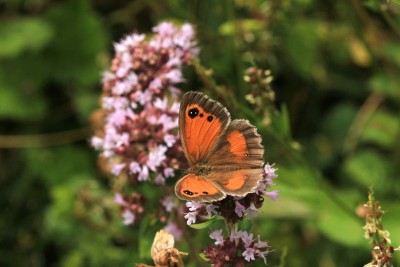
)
(261, 95)
(233, 209)
(236, 250)
(139, 136)
(169, 206)
(131, 206)
(381, 251)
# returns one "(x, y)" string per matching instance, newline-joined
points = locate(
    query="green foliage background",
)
(336, 76)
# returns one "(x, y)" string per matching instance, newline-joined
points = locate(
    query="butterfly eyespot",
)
(201, 115)
(193, 113)
(210, 118)
(246, 154)
(187, 192)
(205, 193)
(246, 176)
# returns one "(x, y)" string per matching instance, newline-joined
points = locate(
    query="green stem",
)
(44, 140)
(389, 20)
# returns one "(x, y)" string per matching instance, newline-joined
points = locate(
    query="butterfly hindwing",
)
(237, 159)
(197, 188)
(240, 146)
(201, 123)
(237, 182)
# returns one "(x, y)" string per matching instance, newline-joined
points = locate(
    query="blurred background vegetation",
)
(336, 77)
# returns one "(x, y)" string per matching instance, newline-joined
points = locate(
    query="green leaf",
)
(58, 217)
(281, 123)
(381, 129)
(203, 225)
(246, 25)
(62, 163)
(338, 121)
(391, 51)
(302, 45)
(390, 222)
(374, 5)
(338, 224)
(384, 83)
(19, 105)
(368, 168)
(299, 175)
(74, 54)
(145, 238)
(292, 203)
(23, 34)
(85, 103)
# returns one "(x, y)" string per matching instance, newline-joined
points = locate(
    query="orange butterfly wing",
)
(198, 188)
(201, 122)
(225, 157)
(239, 146)
(237, 159)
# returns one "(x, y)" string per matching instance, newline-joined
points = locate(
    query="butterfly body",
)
(225, 156)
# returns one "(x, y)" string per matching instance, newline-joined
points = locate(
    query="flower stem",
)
(44, 140)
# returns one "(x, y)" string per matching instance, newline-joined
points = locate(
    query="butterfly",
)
(225, 156)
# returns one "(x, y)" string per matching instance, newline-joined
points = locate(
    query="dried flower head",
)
(163, 251)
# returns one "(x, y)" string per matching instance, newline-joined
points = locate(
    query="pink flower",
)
(238, 248)
(165, 28)
(239, 208)
(128, 216)
(246, 238)
(159, 180)
(233, 235)
(217, 236)
(156, 157)
(211, 209)
(273, 195)
(143, 174)
(168, 203)
(116, 169)
(174, 76)
(248, 254)
(174, 229)
(269, 171)
(118, 199)
(261, 244)
(134, 167)
(97, 142)
(169, 172)
(169, 140)
(131, 206)
(251, 211)
(191, 217)
(193, 205)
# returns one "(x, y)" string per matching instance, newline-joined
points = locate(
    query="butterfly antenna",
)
(170, 189)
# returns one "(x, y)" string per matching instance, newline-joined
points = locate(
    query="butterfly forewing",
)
(201, 123)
